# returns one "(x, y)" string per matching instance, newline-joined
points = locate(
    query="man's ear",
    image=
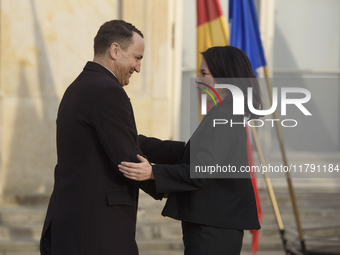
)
(114, 50)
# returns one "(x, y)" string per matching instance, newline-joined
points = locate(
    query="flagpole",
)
(283, 152)
(270, 188)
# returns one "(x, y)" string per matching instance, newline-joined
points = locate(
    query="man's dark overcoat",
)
(93, 208)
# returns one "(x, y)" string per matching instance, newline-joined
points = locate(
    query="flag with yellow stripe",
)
(212, 28)
(212, 31)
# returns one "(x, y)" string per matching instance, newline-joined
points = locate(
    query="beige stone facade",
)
(44, 46)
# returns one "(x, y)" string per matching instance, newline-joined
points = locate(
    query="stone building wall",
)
(44, 44)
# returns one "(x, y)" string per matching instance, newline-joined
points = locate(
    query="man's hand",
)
(137, 171)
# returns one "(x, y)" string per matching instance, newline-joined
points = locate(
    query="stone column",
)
(155, 92)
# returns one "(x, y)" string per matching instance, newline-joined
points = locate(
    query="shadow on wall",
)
(32, 148)
(313, 133)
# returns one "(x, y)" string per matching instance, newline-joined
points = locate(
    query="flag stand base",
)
(319, 241)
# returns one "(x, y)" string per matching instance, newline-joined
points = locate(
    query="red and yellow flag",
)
(212, 29)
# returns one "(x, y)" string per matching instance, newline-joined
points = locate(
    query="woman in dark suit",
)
(214, 211)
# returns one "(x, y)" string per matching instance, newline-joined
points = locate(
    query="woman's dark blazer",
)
(220, 202)
(93, 207)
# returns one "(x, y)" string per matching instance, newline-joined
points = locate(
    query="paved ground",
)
(181, 253)
(155, 253)
(157, 235)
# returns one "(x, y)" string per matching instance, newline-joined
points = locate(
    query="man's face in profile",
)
(129, 60)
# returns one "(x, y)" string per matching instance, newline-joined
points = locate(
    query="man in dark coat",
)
(93, 207)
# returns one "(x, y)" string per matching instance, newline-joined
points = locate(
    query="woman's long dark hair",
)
(230, 62)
